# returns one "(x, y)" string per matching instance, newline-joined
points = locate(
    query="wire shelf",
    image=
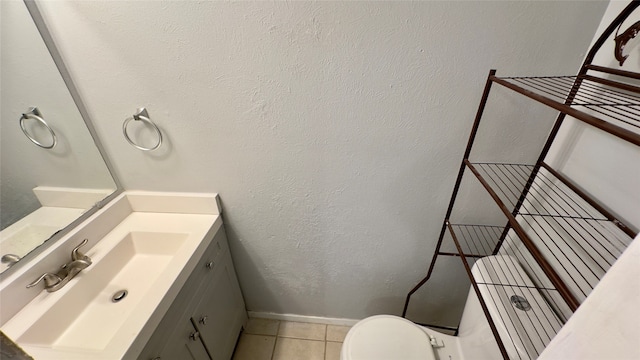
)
(578, 241)
(527, 333)
(477, 241)
(580, 250)
(548, 195)
(607, 104)
(500, 280)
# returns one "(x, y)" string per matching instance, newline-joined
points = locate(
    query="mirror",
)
(52, 171)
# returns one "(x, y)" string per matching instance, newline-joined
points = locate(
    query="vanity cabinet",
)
(206, 317)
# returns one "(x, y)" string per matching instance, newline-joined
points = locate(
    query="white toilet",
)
(387, 337)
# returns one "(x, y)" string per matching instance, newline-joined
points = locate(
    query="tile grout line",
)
(326, 330)
(325, 351)
(273, 351)
(297, 338)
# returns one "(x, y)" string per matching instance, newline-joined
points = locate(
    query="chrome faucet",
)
(55, 282)
(10, 259)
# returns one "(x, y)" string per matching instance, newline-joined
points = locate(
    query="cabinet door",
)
(218, 317)
(184, 344)
(181, 310)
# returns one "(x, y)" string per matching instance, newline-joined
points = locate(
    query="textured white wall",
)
(332, 130)
(30, 78)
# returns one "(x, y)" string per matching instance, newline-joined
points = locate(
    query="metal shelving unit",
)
(562, 237)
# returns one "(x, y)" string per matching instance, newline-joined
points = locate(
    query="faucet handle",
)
(77, 255)
(50, 280)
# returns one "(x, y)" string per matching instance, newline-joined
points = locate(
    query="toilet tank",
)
(525, 321)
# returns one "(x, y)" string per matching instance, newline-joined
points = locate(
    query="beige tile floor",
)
(265, 339)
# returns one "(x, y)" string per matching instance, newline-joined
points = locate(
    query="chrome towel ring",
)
(142, 115)
(34, 114)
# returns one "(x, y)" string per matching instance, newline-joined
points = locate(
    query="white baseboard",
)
(302, 318)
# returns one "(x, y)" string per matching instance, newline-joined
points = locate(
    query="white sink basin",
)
(147, 254)
(133, 265)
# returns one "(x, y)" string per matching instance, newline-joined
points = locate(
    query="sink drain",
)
(119, 295)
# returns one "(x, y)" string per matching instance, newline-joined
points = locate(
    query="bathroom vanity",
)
(155, 279)
(204, 320)
(161, 285)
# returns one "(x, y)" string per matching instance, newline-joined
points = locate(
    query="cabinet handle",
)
(203, 320)
(194, 336)
(210, 265)
(156, 358)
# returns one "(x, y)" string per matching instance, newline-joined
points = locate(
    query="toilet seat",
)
(386, 337)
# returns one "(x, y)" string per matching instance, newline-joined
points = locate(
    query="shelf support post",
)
(456, 187)
(474, 284)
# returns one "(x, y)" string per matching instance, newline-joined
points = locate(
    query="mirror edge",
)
(40, 23)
